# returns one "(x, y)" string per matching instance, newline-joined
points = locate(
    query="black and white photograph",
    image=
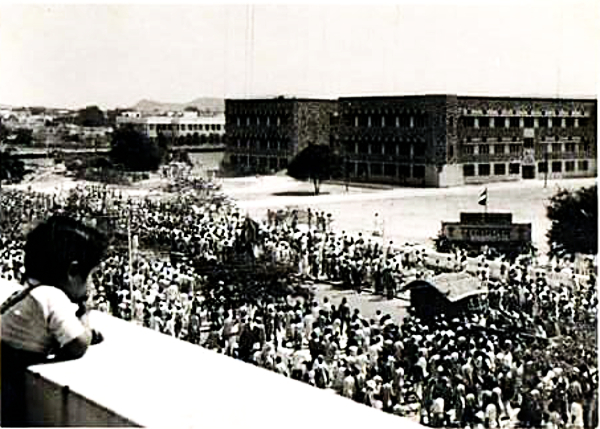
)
(299, 215)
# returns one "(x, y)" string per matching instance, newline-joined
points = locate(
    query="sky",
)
(114, 55)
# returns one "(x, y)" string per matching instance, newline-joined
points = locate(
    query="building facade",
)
(449, 140)
(206, 129)
(263, 135)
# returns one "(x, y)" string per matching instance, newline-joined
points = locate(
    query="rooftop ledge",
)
(138, 377)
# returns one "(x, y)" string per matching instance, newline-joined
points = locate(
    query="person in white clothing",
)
(47, 320)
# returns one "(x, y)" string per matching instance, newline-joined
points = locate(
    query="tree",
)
(12, 168)
(574, 222)
(90, 116)
(316, 163)
(23, 137)
(135, 151)
(4, 132)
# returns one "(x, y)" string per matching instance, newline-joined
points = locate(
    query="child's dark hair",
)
(55, 244)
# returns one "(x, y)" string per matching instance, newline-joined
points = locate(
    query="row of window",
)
(184, 127)
(484, 139)
(526, 122)
(515, 168)
(374, 169)
(263, 144)
(514, 149)
(377, 148)
(557, 112)
(383, 121)
(262, 162)
(257, 120)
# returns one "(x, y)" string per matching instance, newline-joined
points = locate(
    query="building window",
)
(570, 147)
(404, 170)
(484, 169)
(376, 148)
(389, 170)
(556, 147)
(404, 149)
(583, 165)
(237, 121)
(419, 171)
(514, 168)
(556, 166)
(483, 139)
(542, 167)
(419, 149)
(514, 149)
(468, 122)
(499, 169)
(468, 170)
(528, 143)
(376, 169)
(570, 166)
(528, 122)
(514, 123)
(499, 149)
(499, 139)
(469, 139)
(543, 122)
(420, 121)
(484, 149)
(484, 122)
(468, 150)
(570, 122)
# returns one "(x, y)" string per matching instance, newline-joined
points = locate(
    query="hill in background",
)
(216, 105)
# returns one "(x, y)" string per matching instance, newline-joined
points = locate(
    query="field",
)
(408, 214)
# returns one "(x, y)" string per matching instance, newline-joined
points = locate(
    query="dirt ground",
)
(407, 214)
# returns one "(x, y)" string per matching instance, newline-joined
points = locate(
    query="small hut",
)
(450, 294)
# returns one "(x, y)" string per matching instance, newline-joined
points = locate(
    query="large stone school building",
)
(428, 140)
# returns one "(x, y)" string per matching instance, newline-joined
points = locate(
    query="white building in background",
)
(209, 129)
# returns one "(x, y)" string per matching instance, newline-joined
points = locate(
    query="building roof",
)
(471, 97)
(454, 286)
(280, 99)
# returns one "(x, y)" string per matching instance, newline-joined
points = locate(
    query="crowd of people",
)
(472, 371)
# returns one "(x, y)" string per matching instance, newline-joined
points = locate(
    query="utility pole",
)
(129, 243)
(547, 166)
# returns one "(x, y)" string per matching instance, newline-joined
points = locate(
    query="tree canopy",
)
(23, 137)
(11, 167)
(316, 163)
(90, 116)
(574, 222)
(135, 151)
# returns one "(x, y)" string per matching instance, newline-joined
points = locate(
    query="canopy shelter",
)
(449, 294)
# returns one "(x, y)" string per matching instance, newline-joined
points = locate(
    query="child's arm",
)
(71, 332)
